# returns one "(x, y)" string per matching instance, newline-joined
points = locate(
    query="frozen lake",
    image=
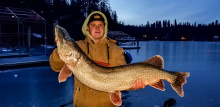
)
(201, 59)
(38, 86)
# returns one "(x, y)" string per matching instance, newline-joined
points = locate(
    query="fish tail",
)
(178, 83)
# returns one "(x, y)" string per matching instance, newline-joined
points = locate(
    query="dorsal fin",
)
(156, 60)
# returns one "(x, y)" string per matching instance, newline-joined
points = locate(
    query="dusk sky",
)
(136, 12)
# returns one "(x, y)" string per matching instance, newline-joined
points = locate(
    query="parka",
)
(105, 51)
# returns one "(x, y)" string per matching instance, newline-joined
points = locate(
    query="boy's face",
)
(96, 30)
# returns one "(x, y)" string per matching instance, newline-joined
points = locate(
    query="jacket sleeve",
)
(56, 63)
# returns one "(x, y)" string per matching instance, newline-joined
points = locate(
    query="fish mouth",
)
(58, 33)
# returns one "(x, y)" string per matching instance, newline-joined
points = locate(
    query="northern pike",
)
(112, 79)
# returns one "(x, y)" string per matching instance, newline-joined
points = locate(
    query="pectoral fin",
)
(116, 98)
(65, 72)
(158, 85)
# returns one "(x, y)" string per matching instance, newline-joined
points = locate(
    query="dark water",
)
(39, 87)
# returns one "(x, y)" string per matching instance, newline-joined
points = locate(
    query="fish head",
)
(60, 34)
(65, 46)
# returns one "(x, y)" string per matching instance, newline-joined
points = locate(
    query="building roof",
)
(18, 14)
(117, 34)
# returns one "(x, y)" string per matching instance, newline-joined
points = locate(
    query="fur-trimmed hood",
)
(85, 25)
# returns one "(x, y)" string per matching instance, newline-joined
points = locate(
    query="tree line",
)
(71, 14)
(165, 30)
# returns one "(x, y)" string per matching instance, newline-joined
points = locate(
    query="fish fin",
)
(156, 60)
(158, 85)
(180, 80)
(116, 98)
(65, 72)
(139, 83)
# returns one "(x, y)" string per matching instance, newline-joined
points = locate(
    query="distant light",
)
(144, 36)
(12, 16)
(183, 38)
(155, 37)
